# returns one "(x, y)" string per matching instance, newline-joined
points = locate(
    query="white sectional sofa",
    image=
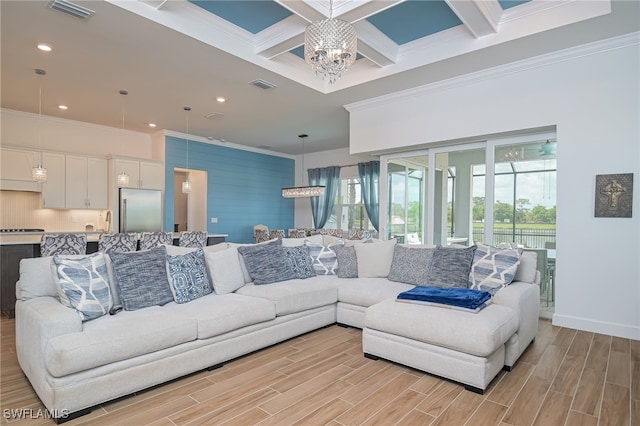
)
(75, 364)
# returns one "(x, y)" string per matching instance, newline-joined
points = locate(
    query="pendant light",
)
(186, 185)
(39, 173)
(303, 191)
(122, 180)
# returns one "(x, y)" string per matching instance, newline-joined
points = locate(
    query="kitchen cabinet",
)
(15, 169)
(86, 183)
(142, 173)
(53, 190)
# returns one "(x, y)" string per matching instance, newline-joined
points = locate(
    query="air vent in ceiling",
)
(71, 9)
(267, 147)
(213, 115)
(262, 84)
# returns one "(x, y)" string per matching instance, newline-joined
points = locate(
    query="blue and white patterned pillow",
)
(325, 261)
(83, 284)
(493, 268)
(300, 261)
(141, 278)
(266, 262)
(188, 276)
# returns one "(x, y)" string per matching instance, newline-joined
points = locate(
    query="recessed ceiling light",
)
(221, 99)
(44, 47)
(152, 124)
(64, 107)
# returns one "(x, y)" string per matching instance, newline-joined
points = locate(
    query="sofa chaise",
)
(76, 358)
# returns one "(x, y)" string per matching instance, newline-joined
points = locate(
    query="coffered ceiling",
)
(174, 53)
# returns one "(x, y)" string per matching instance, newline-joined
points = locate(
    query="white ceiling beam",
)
(360, 10)
(481, 17)
(375, 45)
(156, 4)
(281, 37)
(289, 33)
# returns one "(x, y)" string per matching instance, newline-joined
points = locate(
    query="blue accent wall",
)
(244, 188)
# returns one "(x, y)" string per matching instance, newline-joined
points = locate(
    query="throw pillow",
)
(324, 258)
(493, 268)
(141, 278)
(410, 265)
(450, 267)
(374, 260)
(347, 261)
(83, 284)
(266, 263)
(300, 261)
(225, 270)
(188, 276)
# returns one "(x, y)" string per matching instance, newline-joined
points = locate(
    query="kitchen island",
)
(15, 246)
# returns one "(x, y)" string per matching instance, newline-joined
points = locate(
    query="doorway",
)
(190, 210)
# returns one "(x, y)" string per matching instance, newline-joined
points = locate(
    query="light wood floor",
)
(566, 377)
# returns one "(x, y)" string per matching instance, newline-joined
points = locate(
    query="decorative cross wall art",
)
(614, 195)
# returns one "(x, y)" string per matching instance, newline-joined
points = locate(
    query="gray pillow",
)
(267, 263)
(141, 278)
(450, 267)
(410, 265)
(347, 261)
(300, 261)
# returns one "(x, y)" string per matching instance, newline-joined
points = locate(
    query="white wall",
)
(592, 95)
(335, 157)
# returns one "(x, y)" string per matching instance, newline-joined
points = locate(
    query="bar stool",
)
(193, 239)
(56, 244)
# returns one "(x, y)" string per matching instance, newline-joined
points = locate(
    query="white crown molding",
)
(601, 46)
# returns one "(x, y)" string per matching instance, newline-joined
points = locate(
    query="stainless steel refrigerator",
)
(140, 210)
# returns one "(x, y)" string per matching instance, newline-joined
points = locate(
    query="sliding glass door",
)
(501, 191)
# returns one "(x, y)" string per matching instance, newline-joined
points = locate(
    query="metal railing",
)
(529, 237)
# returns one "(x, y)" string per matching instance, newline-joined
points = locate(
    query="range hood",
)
(20, 185)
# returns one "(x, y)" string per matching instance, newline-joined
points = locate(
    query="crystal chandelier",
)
(122, 180)
(39, 173)
(303, 191)
(330, 46)
(186, 185)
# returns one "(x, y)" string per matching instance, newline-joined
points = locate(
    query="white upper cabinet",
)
(86, 182)
(151, 175)
(142, 174)
(53, 190)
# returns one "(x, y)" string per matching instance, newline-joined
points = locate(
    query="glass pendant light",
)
(122, 180)
(39, 173)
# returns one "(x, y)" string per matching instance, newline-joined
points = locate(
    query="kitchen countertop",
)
(35, 237)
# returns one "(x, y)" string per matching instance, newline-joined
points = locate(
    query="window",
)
(349, 211)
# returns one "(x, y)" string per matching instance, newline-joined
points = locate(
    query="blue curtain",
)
(322, 206)
(370, 182)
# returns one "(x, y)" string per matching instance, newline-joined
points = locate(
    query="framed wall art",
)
(614, 195)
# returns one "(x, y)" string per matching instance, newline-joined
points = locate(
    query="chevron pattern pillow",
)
(493, 268)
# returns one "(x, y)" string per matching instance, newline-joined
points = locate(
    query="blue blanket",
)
(461, 297)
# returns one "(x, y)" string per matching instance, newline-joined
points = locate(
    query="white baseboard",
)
(612, 329)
